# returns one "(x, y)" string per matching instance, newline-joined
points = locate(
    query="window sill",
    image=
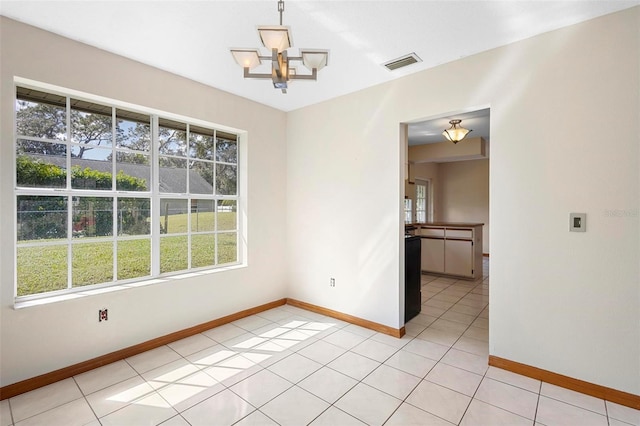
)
(21, 303)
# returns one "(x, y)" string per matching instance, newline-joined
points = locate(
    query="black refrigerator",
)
(412, 271)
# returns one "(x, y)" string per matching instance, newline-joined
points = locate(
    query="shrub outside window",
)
(106, 195)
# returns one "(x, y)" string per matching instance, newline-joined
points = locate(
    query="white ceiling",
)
(430, 131)
(193, 38)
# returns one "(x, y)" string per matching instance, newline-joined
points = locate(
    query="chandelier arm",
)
(248, 74)
(313, 76)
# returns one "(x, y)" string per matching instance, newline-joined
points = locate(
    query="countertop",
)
(446, 224)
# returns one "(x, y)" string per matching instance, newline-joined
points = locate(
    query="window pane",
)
(173, 216)
(226, 215)
(227, 247)
(226, 149)
(201, 178)
(134, 216)
(41, 164)
(36, 148)
(92, 217)
(134, 259)
(41, 217)
(407, 210)
(41, 269)
(172, 137)
(173, 175)
(201, 143)
(92, 263)
(91, 168)
(41, 120)
(133, 131)
(133, 172)
(203, 250)
(226, 179)
(91, 128)
(203, 215)
(173, 253)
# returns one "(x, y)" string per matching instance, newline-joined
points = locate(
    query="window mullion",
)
(69, 198)
(68, 142)
(188, 198)
(69, 241)
(114, 204)
(155, 197)
(215, 198)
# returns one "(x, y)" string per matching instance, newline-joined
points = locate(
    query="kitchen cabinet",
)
(433, 254)
(459, 257)
(452, 249)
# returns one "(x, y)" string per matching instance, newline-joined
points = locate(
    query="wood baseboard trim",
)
(380, 328)
(27, 385)
(598, 391)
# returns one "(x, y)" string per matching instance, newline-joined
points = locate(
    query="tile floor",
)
(288, 366)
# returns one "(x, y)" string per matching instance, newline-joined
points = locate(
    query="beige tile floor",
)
(288, 366)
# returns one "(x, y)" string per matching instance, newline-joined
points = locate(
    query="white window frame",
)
(154, 194)
(428, 213)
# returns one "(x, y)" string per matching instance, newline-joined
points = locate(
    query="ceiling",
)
(430, 131)
(193, 38)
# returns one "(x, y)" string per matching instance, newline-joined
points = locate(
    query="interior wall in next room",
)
(464, 194)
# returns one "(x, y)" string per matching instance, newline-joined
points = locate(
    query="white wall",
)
(564, 138)
(464, 194)
(37, 340)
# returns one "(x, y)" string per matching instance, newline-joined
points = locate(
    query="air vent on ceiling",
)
(403, 61)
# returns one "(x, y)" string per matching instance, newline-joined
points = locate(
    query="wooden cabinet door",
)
(458, 256)
(432, 255)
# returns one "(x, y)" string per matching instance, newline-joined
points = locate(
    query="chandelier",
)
(455, 133)
(277, 38)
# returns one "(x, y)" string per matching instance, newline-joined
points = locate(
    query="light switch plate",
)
(578, 222)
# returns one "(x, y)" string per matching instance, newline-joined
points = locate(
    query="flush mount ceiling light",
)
(277, 38)
(455, 133)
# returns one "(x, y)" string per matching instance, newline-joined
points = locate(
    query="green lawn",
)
(200, 222)
(42, 269)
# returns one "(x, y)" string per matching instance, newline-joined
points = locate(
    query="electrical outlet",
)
(332, 282)
(103, 315)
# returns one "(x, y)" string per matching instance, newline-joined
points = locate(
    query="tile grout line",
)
(451, 346)
(85, 398)
(535, 415)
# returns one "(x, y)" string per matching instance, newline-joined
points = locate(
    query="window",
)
(407, 210)
(106, 195)
(422, 201)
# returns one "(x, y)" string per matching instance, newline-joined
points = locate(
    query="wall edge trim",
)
(587, 388)
(27, 385)
(380, 328)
